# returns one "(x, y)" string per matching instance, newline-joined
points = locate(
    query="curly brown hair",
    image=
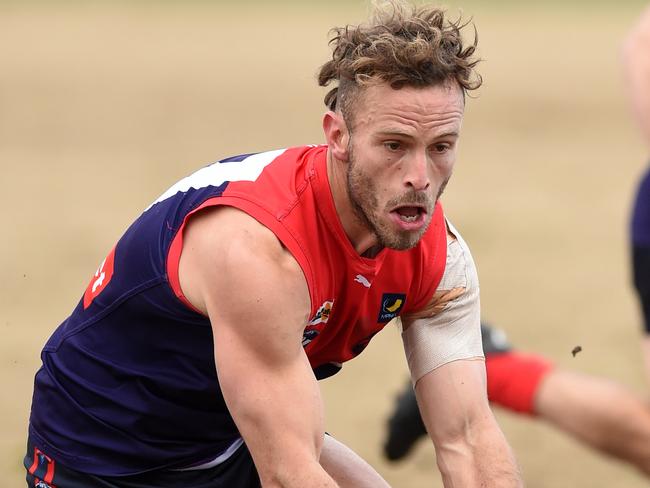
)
(403, 45)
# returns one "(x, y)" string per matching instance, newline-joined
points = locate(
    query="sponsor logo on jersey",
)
(322, 314)
(100, 279)
(391, 306)
(321, 317)
(308, 336)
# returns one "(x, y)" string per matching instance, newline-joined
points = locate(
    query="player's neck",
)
(372, 252)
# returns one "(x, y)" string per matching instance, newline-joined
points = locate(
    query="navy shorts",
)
(640, 237)
(238, 471)
(641, 273)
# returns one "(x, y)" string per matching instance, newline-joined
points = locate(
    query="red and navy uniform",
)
(128, 382)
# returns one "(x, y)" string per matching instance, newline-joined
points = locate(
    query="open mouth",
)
(409, 213)
(409, 218)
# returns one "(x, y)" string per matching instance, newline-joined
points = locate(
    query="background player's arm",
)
(443, 347)
(636, 64)
(257, 299)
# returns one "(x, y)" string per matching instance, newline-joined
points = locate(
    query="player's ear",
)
(336, 135)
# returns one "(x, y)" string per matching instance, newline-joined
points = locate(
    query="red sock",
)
(513, 379)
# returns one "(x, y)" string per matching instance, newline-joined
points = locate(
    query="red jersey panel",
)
(352, 297)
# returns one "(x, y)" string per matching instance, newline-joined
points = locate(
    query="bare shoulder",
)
(230, 260)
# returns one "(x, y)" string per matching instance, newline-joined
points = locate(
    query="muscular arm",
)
(257, 300)
(443, 347)
(636, 64)
(471, 450)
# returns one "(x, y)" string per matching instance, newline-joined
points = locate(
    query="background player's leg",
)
(513, 379)
(347, 468)
(405, 425)
(596, 411)
(599, 412)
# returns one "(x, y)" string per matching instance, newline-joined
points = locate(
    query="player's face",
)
(401, 154)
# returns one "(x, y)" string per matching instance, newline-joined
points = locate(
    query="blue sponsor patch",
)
(391, 306)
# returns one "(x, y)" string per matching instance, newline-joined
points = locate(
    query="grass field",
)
(103, 107)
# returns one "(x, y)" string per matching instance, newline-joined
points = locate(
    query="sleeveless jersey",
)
(128, 382)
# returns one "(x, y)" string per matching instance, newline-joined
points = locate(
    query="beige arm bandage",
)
(451, 329)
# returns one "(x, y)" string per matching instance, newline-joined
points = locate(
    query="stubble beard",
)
(363, 196)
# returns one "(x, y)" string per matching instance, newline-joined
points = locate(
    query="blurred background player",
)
(636, 64)
(598, 412)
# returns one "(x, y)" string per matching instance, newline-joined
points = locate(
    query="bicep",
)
(257, 300)
(263, 392)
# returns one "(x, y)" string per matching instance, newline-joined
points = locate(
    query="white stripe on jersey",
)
(219, 459)
(249, 169)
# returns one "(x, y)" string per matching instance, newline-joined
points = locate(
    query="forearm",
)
(285, 448)
(347, 468)
(480, 458)
(471, 450)
(292, 475)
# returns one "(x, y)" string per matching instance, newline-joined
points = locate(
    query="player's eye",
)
(392, 145)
